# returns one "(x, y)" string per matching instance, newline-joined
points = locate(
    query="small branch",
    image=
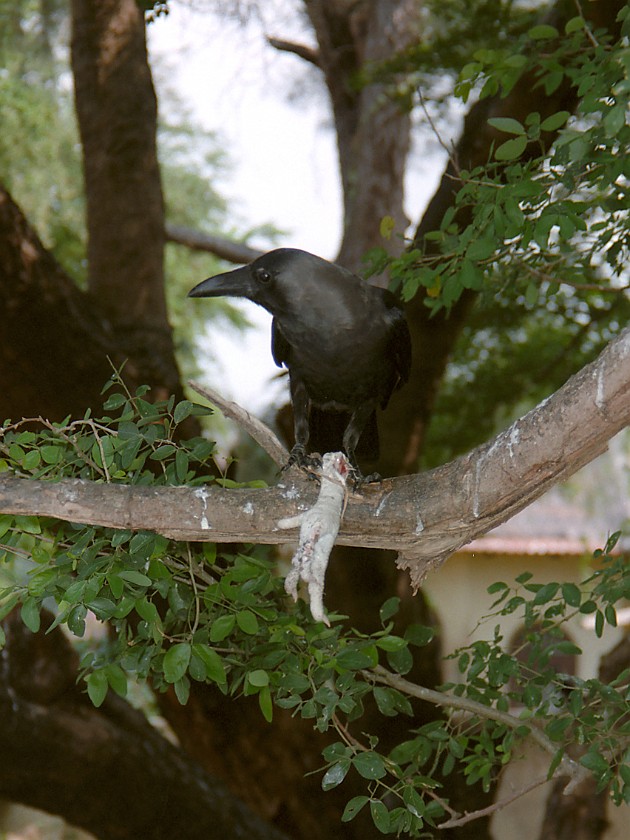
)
(309, 54)
(567, 766)
(456, 821)
(235, 252)
(450, 150)
(254, 427)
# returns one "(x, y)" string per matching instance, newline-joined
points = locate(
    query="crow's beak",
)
(237, 283)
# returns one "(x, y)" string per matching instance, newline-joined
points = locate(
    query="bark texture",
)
(106, 770)
(372, 130)
(54, 341)
(425, 517)
(117, 112)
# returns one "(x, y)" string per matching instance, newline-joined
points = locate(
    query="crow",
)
(345, 343)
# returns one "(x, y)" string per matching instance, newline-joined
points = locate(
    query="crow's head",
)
(276, 281)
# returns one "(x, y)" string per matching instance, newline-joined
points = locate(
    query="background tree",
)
(364, 52)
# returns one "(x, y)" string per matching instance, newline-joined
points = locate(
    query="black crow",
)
(345, 343)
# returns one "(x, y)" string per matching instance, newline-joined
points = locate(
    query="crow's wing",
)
(280, 347)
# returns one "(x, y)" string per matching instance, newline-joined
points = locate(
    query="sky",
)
(271, 116)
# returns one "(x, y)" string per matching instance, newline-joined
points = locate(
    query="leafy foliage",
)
(539, 235)
(537, 216)
(184, 613)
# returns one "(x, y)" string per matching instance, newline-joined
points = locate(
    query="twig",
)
(450, 151)
(587, 28)
(567, 766)
(491, 809)
(254, 427)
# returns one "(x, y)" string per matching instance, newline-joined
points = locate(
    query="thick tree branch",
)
(226, 249)
(425, 517)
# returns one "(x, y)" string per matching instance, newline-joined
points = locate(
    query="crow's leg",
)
(301, 403)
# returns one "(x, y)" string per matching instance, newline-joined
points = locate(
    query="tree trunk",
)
(372, 129)
(105, 770)
(54, 341)
(117, 112)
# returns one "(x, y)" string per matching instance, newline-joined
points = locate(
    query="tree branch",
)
(425, 517)
(567, 767)
(309, 54)
(254, 427)
(226, 249)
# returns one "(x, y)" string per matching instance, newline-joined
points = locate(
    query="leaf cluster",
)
(586, 719)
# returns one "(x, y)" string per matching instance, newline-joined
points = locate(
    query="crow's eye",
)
(262, 275)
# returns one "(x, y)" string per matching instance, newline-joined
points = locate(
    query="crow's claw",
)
(299, 458)
(359, 480)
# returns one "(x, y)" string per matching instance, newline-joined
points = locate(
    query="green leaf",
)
(389, 608)
(386, 227)
(554, 122)
(114, 401)
(414, 802)
(336, 774)
(7, 606)
(183, 410)
(30, 614)
(164, 451)
(176, 661)
(574, 24)
(215, 670)
(265, 704)
(258, 678)
(391, 643)
(542, 31)
(247, 622)
(571, 594)
(599, 623)
(470, 276)
(546, 593)
(117, 678)
(511, 149)
(147, 610)
(595, 762)
(354, 660)
(222, 627)
(353, 807)
(419, 635)
(132, 576)
(380, 815)
(29, 524)
(182, 690)
(370, 765)
(51, 454)
(97, 686)
(507, 124)
(615, 120)
(31, 460)
(181, 465)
